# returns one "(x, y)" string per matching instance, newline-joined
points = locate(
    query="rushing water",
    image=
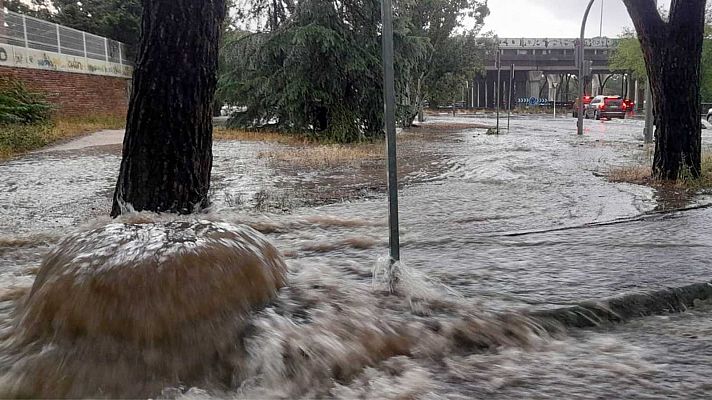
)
(491, 225)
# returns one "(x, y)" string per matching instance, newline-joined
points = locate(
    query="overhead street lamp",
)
(581, 57)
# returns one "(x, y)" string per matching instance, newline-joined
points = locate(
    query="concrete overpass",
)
(541, 62)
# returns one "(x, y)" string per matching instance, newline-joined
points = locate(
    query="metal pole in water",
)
(498, 65)
(582, 57)
(511, 84)
(389, 97)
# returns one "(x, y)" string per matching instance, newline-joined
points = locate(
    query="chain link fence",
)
(31, 33)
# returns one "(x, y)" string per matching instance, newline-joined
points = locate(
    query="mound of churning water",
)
(126, 309)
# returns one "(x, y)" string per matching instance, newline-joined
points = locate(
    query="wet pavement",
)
(489, 224)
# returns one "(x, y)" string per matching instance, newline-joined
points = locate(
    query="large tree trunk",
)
(673, 52)
(167, 155)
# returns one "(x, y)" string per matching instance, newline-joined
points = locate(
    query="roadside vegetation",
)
(249, 135)
(315, 65)
(305, 151)
(642, 175)
(26, 121)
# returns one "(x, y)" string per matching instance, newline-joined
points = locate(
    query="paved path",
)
(102, 138)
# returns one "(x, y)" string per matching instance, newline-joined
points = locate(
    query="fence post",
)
(24, 31)
(86, 56)
(106, 49)
(121, 57)
(59, 41)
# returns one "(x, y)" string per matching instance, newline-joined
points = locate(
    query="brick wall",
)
(76, 95)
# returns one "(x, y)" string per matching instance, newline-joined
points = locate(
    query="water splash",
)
(126, 309)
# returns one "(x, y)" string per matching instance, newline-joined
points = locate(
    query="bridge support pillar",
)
(553, 80)
(534, 83)
(597, 83)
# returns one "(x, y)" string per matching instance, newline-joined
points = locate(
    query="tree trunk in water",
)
(167, 154)
(673, 52)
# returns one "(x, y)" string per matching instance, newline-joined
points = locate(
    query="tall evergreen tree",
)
(315, 68)
(315, 65)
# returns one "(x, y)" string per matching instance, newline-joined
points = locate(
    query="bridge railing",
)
(33, 43)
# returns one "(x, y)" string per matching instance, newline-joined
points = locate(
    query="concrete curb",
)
(591, 314)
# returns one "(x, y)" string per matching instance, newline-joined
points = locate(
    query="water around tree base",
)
(129, 308)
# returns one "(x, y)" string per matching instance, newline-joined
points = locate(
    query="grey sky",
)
(556, 18)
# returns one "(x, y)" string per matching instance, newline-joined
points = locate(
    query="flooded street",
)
(492, 226)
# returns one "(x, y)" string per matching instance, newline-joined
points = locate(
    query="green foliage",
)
(453, 57)
(460, 59)
(318, 72)
(628, 56)
(315, 65)
(19, 105)
(19, 138)
(706, 66)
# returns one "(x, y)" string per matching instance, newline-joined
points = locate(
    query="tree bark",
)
(167, 153)
(673, 53)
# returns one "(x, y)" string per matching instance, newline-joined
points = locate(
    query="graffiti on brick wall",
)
(14, 56)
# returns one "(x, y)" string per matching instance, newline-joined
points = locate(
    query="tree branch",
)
(646, 18)
(684, 13)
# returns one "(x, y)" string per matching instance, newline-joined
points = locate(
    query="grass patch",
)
(325, 155)
(21, 138)
(222, 133)
(642, 175)
(303, 151)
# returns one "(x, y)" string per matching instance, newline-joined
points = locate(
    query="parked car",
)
(586, 101)
(629, 105)
(605, 107)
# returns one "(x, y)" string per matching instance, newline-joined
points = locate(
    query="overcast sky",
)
(556, 18)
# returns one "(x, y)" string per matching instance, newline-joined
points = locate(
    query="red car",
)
(628, 105)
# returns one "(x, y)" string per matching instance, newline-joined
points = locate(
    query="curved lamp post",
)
(581, 58)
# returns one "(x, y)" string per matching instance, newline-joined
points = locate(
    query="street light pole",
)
(600, 28)
(389, 97)
(582, 57)
(498, 65)
(649, 129)
(509, 97)
(556, 86)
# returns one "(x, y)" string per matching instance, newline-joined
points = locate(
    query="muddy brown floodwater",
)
(492, 226)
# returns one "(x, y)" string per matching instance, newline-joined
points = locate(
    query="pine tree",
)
(167, 155)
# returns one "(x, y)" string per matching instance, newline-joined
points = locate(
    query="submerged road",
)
(525, 219)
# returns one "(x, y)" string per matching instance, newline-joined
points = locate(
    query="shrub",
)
(19, 105)
(18, 138)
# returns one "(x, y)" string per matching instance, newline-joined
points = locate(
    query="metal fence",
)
(32, 33)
